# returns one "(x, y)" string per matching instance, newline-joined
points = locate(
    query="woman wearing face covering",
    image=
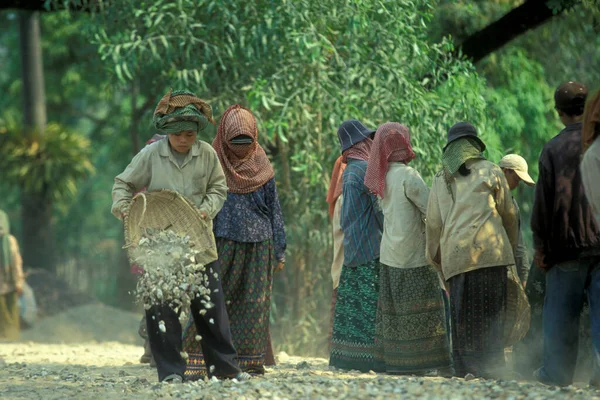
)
(11, 281)
(250, 238)
(410, 330)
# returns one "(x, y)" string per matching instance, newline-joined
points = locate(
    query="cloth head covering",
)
(461, 130)
(391, 144)
(570, 98)
(246, 166)
(5, 267)
(456, 153)
(180, 111)
(352, 132)
(360, 151)
(335, 186)
(518, 164)
(591, 121)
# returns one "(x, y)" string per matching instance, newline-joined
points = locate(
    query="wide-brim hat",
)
(462, 130)
(352, 132)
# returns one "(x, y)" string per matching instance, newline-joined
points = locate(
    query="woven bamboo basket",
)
(169, 210)
(518, 310)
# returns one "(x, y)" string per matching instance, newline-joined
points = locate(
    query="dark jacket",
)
(562, 221)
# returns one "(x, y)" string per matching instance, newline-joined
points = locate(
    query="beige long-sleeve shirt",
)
(477, 230)
(200, 177)
(404, 206)
(16, 272)
(590, 174)
(338, 243)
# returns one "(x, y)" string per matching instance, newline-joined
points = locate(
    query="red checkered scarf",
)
(335, 186)
(360, 151)
(391, 144)
(246, 167)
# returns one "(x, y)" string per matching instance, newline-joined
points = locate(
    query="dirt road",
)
(110, 371)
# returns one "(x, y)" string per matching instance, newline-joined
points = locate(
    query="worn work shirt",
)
(361, 220)
(200, 177)
(478, 230)
(562, 220)
(252, 218)
(404, 206)
(590, 173)
(16, 272)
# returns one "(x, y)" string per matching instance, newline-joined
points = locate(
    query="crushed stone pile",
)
(52, 294)
(87, 323)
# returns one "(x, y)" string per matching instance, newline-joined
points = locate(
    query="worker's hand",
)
(20, 291)
(280, 266)
(204, 215)
(540, 259)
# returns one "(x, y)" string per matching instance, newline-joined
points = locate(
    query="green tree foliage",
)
(53, 161)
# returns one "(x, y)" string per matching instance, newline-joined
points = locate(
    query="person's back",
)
(404, 207)
(475, 235)
(562, 220)
(362, 222)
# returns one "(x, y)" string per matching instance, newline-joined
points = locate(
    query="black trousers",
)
(217, 346)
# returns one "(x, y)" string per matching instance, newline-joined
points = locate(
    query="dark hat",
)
(570, 97)
(461, 130)
(352, 132)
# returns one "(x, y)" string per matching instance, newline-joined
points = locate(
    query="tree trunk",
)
(37, 243)
(126, 281)
(34, 106)
(519, 20)
(36, 211)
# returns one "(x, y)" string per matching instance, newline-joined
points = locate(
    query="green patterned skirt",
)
(246, 277)
(410, 330)
(353, 338)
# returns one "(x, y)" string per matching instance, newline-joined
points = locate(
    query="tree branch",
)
(519, 20)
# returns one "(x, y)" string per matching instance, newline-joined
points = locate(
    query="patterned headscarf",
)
(180, 111)
(246, 166)
(360, 151)
(456, 154)
(335, 186)
(591, 121)
(391, 144)
(4, 244)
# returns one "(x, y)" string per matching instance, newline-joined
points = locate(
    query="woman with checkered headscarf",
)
(250, 236)
(191, 167)
(409, 288)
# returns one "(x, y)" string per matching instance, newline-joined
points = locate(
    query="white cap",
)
(519, 165)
